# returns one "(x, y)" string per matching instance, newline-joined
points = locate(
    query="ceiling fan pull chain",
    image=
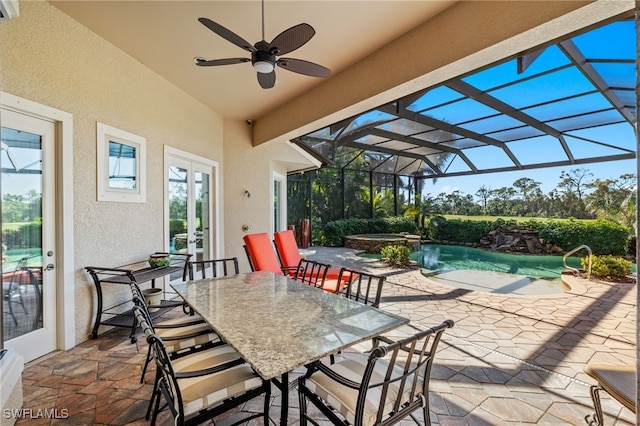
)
(263, 20)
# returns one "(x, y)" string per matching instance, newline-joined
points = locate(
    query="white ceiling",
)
(166, 36)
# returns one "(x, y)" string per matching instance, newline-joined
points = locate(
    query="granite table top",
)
(277, 324)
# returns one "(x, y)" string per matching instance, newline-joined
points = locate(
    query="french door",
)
(27, 194)
(191, 205)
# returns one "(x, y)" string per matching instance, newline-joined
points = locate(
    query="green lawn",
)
(516, 218)
(12, 226)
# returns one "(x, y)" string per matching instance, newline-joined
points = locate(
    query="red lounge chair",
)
(261, 255)
(287, 250)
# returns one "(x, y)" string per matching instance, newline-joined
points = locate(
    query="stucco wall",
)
(48, 58)
(249, 169)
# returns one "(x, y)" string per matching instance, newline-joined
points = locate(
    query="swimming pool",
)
(477, 269)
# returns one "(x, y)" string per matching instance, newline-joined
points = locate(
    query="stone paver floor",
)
(509, 360)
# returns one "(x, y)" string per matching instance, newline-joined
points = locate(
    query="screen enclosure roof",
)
(570, 103)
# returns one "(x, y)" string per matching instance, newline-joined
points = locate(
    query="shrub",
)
(609, 267)
(396, 256)
(25, 236)
(602, 236)
(459, 230)
(334, 232)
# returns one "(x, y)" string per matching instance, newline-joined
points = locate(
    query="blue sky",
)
(549, 177)
(616, 43)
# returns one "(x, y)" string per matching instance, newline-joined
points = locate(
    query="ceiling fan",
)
(264, 55)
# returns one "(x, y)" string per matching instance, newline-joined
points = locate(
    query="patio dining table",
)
(277, 324)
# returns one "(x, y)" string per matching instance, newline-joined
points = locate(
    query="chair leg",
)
(596, 419)
(267, 402)
(156, 408)
(425, 411)
(303, 406)
(155, 393)
(146, 364)
(22, 303)
(13, 315)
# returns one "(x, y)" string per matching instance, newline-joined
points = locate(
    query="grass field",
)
(12, 226)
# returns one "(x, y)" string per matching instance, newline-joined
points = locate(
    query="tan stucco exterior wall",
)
(249, 169)
(48, 58)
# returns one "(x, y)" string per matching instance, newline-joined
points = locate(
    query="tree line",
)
(577, 195)
(330, 194)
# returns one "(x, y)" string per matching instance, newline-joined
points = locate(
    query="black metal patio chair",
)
(311, 273)
(377, 388)
(203, 385)
(213, 268)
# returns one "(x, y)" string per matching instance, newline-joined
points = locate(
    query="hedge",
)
(602, 236)
(335, 231)
(25, 236)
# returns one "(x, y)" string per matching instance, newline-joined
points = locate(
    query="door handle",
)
(49, 267)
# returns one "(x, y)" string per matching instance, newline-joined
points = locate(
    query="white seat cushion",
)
(173, 342)
(344, 399)
(206, 391)
(180, 321)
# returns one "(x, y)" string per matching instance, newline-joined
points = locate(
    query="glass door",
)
(190, 208)
(27, 197)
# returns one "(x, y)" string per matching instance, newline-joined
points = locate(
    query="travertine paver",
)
(515, 359)
(509, 360)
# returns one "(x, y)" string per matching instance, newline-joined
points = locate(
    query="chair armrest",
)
(187, 336)
(322, 368)
(210, 370)
(287, 270)
(180, 325)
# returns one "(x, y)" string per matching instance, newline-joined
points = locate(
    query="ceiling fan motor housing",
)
(263, 55)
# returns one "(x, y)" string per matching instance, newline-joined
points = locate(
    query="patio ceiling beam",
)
(312, 151)
(438, 147)
(425, 144)
(405, 102)
(488, 100)
(574, 54)
(525, 60)
(442, 125)
(543, 165)
(375, 148)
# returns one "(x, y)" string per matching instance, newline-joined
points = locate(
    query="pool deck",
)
(509, 359)
(513, 359)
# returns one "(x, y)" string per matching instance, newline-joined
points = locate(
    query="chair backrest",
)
(311, 273)
(287, 248)
(260, 253)
(216, 267)
(140, 304)
(19, 276)
(166, 382)
(361, 286)
(406, 369)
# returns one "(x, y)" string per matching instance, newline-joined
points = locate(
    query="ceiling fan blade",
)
(292, 39)
(303, 67)
(267, 81)
(227, 34)
(215, 62)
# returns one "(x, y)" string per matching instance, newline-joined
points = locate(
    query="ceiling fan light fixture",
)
(264, 67)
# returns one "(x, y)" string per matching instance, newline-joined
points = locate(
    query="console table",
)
(138, 272)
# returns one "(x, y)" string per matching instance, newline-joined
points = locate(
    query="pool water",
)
(442, 257)
(482, 270)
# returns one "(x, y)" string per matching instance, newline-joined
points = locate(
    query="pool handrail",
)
(569, 253)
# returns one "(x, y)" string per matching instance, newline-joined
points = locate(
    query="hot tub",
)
(373, 243)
